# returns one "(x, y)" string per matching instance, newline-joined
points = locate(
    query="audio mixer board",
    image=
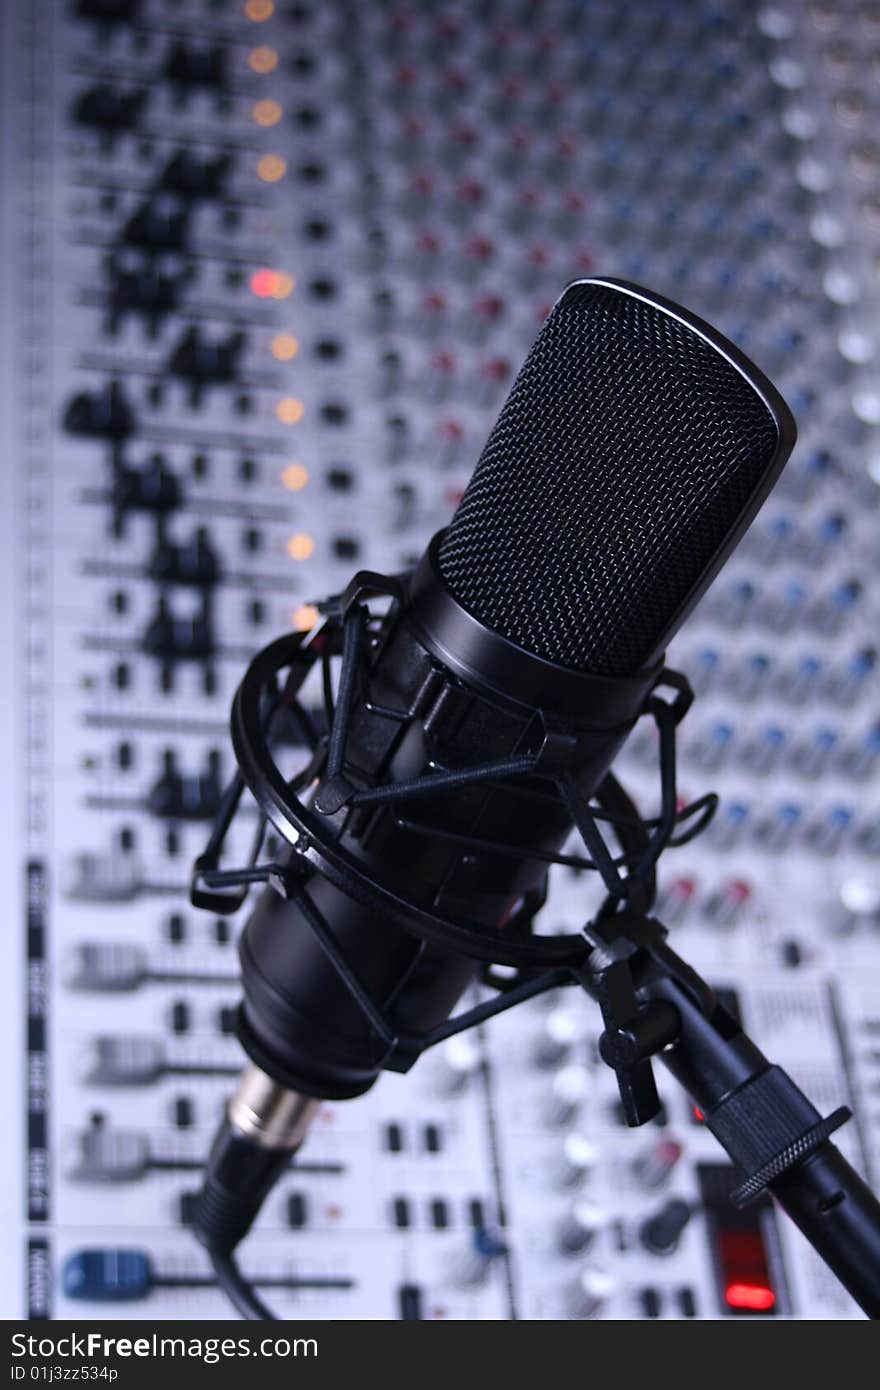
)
(268, 271)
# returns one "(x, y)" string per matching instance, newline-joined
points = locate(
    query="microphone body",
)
(299, 1022)
(633, 451)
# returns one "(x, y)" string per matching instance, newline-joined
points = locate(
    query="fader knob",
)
(160, 224)
(105, 414)
(112, 967)
(187, 66)
(108, 109)
(124, 1061)
(111, 1155)
(178, 639)
(190, 177)
(175, 796)
(108, 13)
(201, 362)
(107, 1276)
(142, 290)
(194, 562)
(153, 488)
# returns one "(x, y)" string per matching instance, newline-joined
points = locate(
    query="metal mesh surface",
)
(624, 455)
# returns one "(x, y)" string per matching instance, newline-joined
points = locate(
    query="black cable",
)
(238, 1290)
(239, 1175)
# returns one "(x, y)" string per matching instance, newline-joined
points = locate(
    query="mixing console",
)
(268, 270)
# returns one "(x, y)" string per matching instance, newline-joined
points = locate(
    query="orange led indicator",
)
(259, 10)
(295, 477)
(289, 410)
(300, 546)
(284, 285)
(305, 617)
(267, 112)
(284, 347)
(263, 59)
(271, 168)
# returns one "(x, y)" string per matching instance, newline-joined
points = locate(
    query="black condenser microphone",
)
(634, 450)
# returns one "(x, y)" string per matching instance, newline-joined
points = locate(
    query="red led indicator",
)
(263, 283)
(753, 1298)
(746, 1278)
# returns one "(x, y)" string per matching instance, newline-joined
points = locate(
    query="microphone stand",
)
(653, 1004)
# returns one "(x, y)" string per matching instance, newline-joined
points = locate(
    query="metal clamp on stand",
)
(635, 1031)
(654, 1004)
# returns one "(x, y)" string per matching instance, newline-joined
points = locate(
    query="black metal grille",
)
(625, 454)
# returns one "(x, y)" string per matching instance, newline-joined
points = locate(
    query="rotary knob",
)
(567, 1094)
(579, 1227)
(662, 1232)
(459, 1060)
(587, 1296)
(576, 1162)
(655, 1165)
(558, 1036)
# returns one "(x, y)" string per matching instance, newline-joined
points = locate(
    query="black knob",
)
(196, 67)
(203, 363)
(142, 290)
(176, 796)
(661, 1233)
(161, 224)
(179, 639)
(195, 562)
(190, 177)
(104, 414)
(153, 488)
(108, 109)
(108, 12)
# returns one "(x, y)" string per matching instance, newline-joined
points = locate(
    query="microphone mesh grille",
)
(624, 455)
